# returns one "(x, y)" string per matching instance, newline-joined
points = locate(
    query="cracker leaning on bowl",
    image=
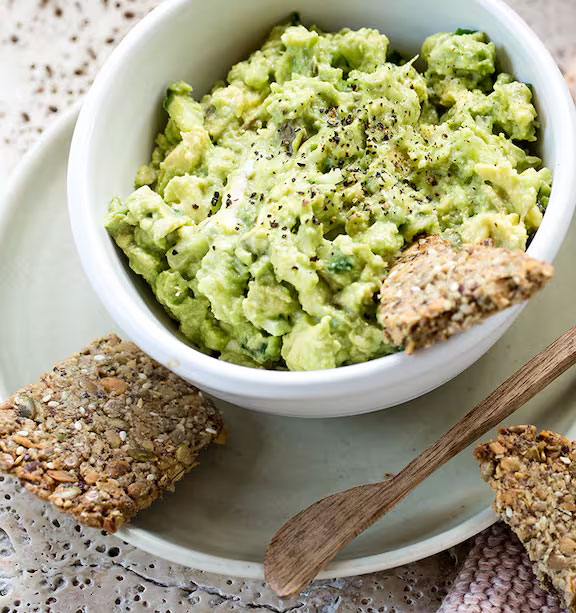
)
(435, 290)
(534, 477)
(105, 432)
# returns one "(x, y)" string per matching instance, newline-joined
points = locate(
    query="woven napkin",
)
(497, 577)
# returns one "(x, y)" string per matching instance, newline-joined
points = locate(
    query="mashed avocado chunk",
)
(272, 208)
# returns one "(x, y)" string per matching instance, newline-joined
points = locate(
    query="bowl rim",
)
(154, 338)
(347, 567)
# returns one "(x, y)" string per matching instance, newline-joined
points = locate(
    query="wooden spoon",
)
(309, 540)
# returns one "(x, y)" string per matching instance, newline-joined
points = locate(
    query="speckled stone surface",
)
(50, 51)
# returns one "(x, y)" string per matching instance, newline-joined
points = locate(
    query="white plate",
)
(222, 515)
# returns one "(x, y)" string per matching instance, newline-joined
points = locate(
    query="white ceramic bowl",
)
(198, 41)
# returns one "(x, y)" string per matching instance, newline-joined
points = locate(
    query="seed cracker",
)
(105, 433)
(534, 477)
(434, 290)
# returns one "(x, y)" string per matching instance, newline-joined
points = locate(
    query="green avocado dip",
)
(273, 208)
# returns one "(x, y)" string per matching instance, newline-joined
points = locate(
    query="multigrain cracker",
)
(105, 432)
(533, 475)
(434, 290)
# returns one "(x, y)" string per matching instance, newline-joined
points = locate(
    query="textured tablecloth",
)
(50, 52)
(497, 577)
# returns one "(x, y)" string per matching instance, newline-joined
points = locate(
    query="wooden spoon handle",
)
(525, 383)
(314, 536)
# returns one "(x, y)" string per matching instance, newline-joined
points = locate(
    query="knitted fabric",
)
(497, 577)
